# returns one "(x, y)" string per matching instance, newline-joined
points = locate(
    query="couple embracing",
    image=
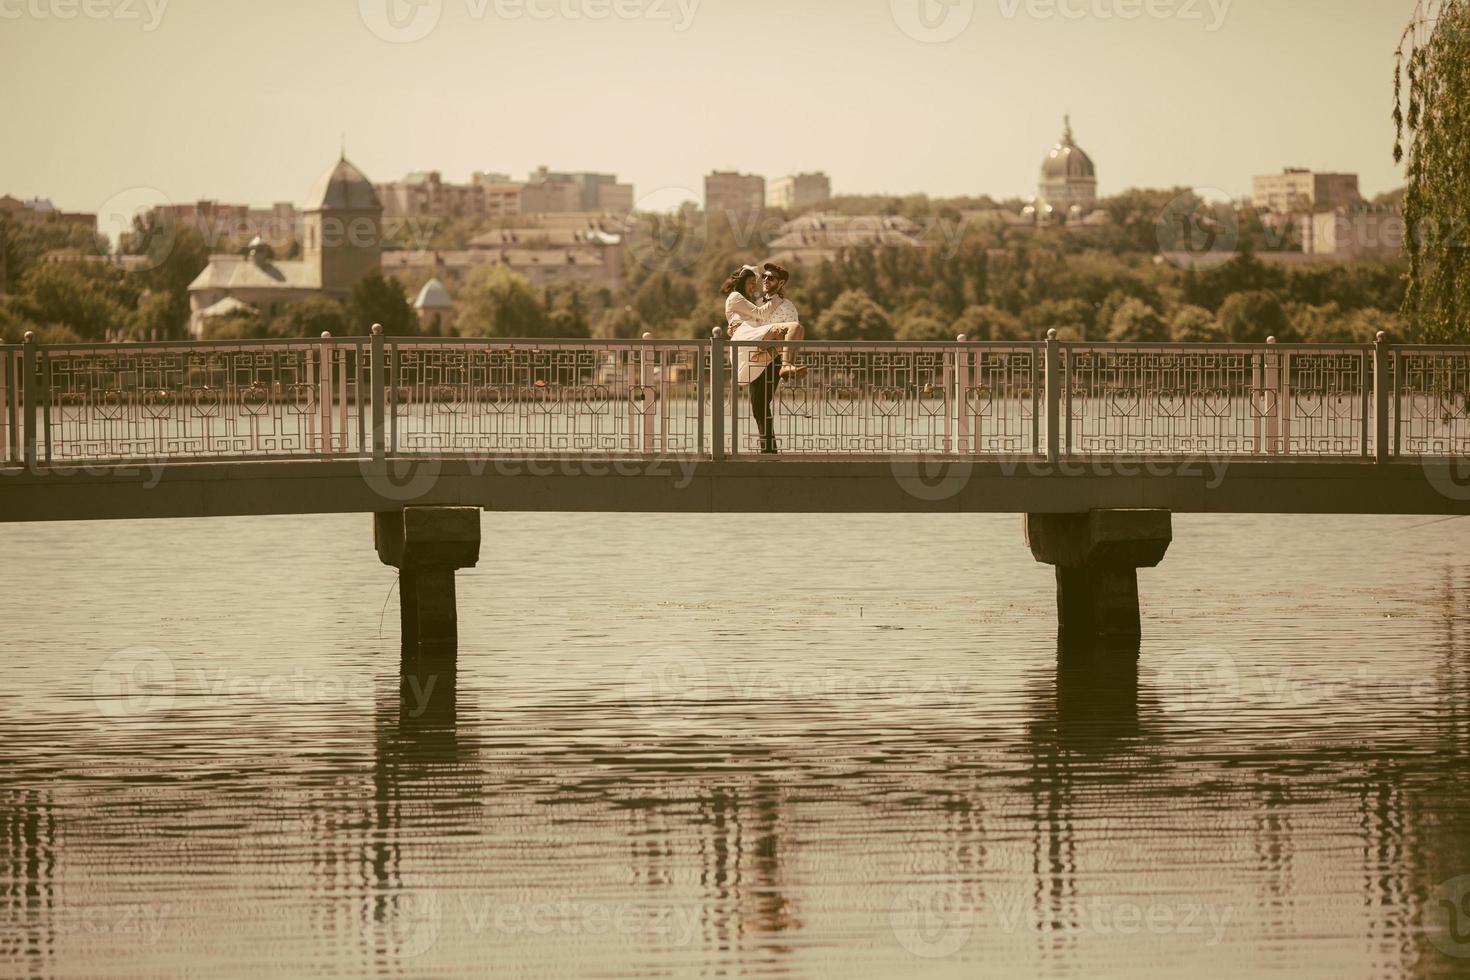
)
(756, 308)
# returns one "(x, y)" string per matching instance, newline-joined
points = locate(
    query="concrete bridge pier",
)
(427, 545)
(1097, 556)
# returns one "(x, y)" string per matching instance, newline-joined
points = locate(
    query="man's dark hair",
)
(780, 273)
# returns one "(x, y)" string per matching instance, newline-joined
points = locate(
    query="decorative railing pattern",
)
(1432, 392)
(897, 398)
(1195, 399)
(547, 397)
(377, 396)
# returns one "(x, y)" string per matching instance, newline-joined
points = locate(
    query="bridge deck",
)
(794, 485)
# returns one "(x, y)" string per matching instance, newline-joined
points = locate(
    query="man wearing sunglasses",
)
(781, 322)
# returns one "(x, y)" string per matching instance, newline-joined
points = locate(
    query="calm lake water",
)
(855, 754)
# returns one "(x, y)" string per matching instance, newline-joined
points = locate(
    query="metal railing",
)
(377, 396)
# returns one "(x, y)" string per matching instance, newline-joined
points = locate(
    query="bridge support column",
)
(427, 545)
(1097, 556)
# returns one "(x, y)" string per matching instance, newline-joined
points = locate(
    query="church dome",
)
(433, 297)
(344, 188)
(1067, 161)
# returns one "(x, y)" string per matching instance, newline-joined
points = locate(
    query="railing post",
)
(645, 382)
(324, 392)
(378, 383)
(1053, 398)
(960, 392)
(1382, 386)
(1273, 385)
(30, 391)
(717, 394)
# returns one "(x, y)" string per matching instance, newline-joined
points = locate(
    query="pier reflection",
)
(28, 855)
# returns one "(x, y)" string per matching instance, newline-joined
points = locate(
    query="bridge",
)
(1097, 444)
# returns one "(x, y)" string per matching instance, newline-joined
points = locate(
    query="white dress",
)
(749, 322)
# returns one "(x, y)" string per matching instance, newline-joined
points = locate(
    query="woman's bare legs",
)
(794, 331)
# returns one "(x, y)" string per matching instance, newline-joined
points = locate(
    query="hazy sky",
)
(246, 100)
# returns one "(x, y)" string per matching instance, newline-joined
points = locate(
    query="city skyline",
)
(651, 99)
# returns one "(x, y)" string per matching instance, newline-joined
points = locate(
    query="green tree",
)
(500, 303)
(95, 301)
(1195, 325)
(1253, 316)
(984, 323)
(241, 325)
(1137, 322)
(169, 274)
(1070, 318)
(1432, 114)
(376, 299)
(310, 317)
(854, 316)
(922, 328)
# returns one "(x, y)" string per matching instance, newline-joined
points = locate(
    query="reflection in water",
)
(1084, 726)
(28, 830)
(1311, 801)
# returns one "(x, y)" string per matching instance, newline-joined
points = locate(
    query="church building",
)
(342, 243)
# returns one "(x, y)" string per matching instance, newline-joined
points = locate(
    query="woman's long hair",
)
(737, 280)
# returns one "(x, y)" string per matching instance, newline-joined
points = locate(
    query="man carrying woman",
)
(757, 309)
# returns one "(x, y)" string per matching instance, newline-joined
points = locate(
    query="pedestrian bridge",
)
(372, 423)
(1098, 444)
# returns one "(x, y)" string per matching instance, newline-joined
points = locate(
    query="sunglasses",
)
(770, 278)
